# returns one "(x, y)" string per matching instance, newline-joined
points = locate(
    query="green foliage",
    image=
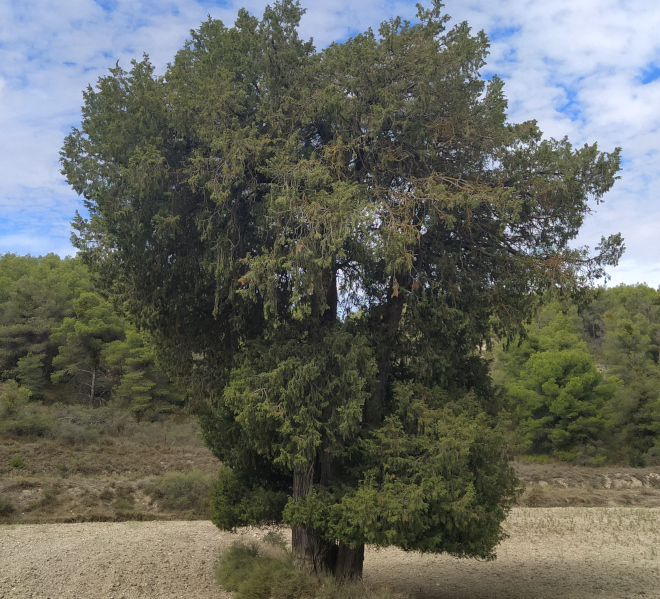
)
(420, 477)
(19, 416)
(7, 508)
(35, 295)
(264, 571)
(30, 374)
(319, 244)
(143, 387)
(558, 390)
(180, 491)
(82, 339)
(17, 462)
(586, 386)
(631, 352)
(79, 424)
(235, 502)
(54, 326)
(13, 398)
(244, 571)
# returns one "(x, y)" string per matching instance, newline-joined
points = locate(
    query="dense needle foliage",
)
(322, 243)
(62, 341)
(585, 386)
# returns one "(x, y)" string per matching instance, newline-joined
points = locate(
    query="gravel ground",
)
(552, 552)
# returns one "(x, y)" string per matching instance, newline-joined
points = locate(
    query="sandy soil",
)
(552, 552)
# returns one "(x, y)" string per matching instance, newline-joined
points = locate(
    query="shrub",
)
(85, 424)
(106, 494)
(244, 569)
(234, 503)
(16, 462)
(275, 538)
(19, 416)
(73, 433)
(12, 398)
(6, 508)
(166, 432)
(48, 500)
(124, 498)
(180, 491)
(266, 572)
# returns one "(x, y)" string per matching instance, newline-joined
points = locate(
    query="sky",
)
(585, 69)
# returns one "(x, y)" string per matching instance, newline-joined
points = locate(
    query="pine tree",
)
(81, 341)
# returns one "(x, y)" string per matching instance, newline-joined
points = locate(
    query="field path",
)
(566, 553)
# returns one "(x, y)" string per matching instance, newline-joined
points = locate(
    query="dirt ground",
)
(569, 552)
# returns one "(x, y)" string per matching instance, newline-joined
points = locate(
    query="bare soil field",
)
(569, 552)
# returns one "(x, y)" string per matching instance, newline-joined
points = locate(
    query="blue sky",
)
(586, 69)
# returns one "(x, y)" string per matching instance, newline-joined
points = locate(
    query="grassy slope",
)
(161, 473)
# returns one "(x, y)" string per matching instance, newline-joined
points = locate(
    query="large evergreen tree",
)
(322, 243)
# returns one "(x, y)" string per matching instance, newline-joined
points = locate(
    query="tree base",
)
(315, 555)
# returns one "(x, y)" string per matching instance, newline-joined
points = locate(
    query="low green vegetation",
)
(181, 491)
(7, 508)
(265, 570)
(78, 424)
(246, 571)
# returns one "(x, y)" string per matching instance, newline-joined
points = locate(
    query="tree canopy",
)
(322, 243)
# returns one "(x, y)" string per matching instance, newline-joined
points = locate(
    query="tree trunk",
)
(374, 407)
(311, 553)
(91, 391)
(349, 563)
(314, 554)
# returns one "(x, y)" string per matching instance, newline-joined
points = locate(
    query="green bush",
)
(32, 420)
(12, 398)
(86, 424)
(80, 424)
(243, 569)
(235, 503)
(48, 500)
(167, 431)
(124, 498)
(19, 416)
(17, 462)
(266, 572)
(180, 491)
(6, 508)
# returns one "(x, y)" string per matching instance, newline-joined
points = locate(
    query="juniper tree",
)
(322, 242)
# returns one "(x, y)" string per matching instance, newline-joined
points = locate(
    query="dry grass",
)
(97, 482)
(109, 457)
